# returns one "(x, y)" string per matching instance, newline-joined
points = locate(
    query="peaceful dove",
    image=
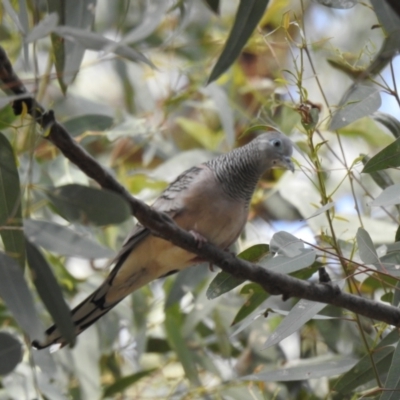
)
(210, 200)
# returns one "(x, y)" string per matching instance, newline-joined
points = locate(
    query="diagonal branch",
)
(161, 225)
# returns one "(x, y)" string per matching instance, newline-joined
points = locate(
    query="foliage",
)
(129, 82)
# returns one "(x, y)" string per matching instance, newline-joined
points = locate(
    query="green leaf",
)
(15, 293)
(389, 197)
(247, 17)
(389, 122)
(392, 384)
(123, 383)
(311, 368)
(381, 178)
(43, 28)
(89, 122)
(63, 240)
(225, 282)
(389, 157)
(94, 41)
(10, 353)
(257, 296)
(301, 313)
(340, 4)
(50, 293)
(358, 102)
(363, 371)
(214, 5)
(85, 204)
(173, 326)
(366, 247)
(10, 204)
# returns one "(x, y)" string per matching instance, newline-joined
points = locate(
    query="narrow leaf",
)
(389, 122)
(389, 197)
(17, 296)
(321, 210)
(50, 293)
(85, 204)
(124, 383)
(10, 204)
(225, 282)
(340, 4)
(247, 17)
(313, 368)
(89, 122)
(358, 102)
(173, 325)
(363, 371)
(392, 384)
(10, 353)
(63, 240)
(389, 157)
(366, 247)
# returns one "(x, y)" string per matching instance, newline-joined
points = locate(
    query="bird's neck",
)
(238, 172)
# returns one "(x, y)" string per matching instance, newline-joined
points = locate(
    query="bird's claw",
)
(200, 239)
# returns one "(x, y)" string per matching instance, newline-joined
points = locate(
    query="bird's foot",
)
(200, 239)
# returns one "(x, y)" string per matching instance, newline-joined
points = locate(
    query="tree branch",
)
(161, 225)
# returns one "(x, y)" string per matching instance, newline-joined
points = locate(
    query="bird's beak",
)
(287, 163)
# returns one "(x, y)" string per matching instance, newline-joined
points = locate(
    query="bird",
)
(210, 200)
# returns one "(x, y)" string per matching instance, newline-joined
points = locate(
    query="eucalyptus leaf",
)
(50, 293)
(389, 197)
(389, 157)
(313, 368)
(363, 371)
(340, 4)
(301, 313)
(392, 384)
(247, 17)
(389, 122)
(125, 382)
(359, 101)
(43, 28)
(10, 353)
(88, 122)
(366, 247)
(63, 240)
(10, 204)
(15, 293)
(85, 204)
(225, 282)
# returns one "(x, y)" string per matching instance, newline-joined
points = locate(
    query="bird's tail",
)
(83, 315)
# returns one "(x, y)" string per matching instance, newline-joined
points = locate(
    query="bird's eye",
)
(276, 143)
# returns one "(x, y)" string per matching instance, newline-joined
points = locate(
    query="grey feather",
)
(211, 200)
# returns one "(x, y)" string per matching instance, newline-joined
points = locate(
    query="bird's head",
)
(275, 150)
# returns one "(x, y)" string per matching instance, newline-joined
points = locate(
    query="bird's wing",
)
(142, 258)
